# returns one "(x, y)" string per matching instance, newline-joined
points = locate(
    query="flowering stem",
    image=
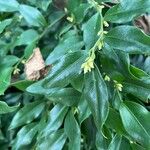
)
(89, 62)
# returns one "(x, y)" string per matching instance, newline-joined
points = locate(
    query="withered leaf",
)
(143, 22)
(34, 64)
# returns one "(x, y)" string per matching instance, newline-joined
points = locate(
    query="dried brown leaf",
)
(143, 22)
(34, 64)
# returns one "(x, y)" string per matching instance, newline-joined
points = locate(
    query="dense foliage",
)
(93, 92)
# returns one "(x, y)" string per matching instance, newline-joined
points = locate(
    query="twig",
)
(107, 5)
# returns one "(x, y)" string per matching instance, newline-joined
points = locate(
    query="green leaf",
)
(118, 142)
(68, 45)
(27, 37)
(128, 39)
(55, 120)
(29, 49)
(1, 136)
(91, 29)
(22, 84)
(56, 17)
(32, 16)
(115, 60)
(127, 10)
(84, 110)
(27, 114)
(135, 119)
(54, 141)
(114, 122)
(80, 12)
(65, 29)
(138, 90)
(141, 84)
(25, 136)
(78, 83)
(9, 5)
(72, 131)
(5, 78)
(62, 72)
(4, 24)
(66, 96)
(4, 108)
(72, 4)
(44, 4)
(117, 99)
(8, 60)
(136, 146)
(116, 64)
(6, 71)
(115, 143)
(102, 141)
(96, 94)
(111, 1)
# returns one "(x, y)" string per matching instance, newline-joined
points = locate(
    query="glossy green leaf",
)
(54, 141)
(55, 120)
(102, 141)
(5, 71)
(22, 84)
(116, 65)
(1, 136)
(115, 143)
(70, 44)
(135, 146)
(128, 39)
(114, 122)
(27, 114)
(4, 108)
(96, 94)
(135, 119)
(62, 72)
(80, 12)
(55, 18)
(27, 37)
(118, 142)
(78, 83)
(84, 110)
(114, 1)
(146, 65)
(29, 49)
(4, 24)
(8, 61)
(117, 99)
(117, 61)
(66, 96)
(72, 131)
(25, 136)
(127, 10)
(5, 78)
(139, 91)
(9, 5)
(32, 15)
(142, 84)
(44, 4)
(65, 29)
(71, 5)
(65, 109)
(90, 30)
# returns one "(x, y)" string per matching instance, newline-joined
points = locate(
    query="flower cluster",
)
(118, 86)
(88, 65)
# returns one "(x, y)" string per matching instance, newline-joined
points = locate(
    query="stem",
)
(16, 66)
(107, 5)
(48, 28)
